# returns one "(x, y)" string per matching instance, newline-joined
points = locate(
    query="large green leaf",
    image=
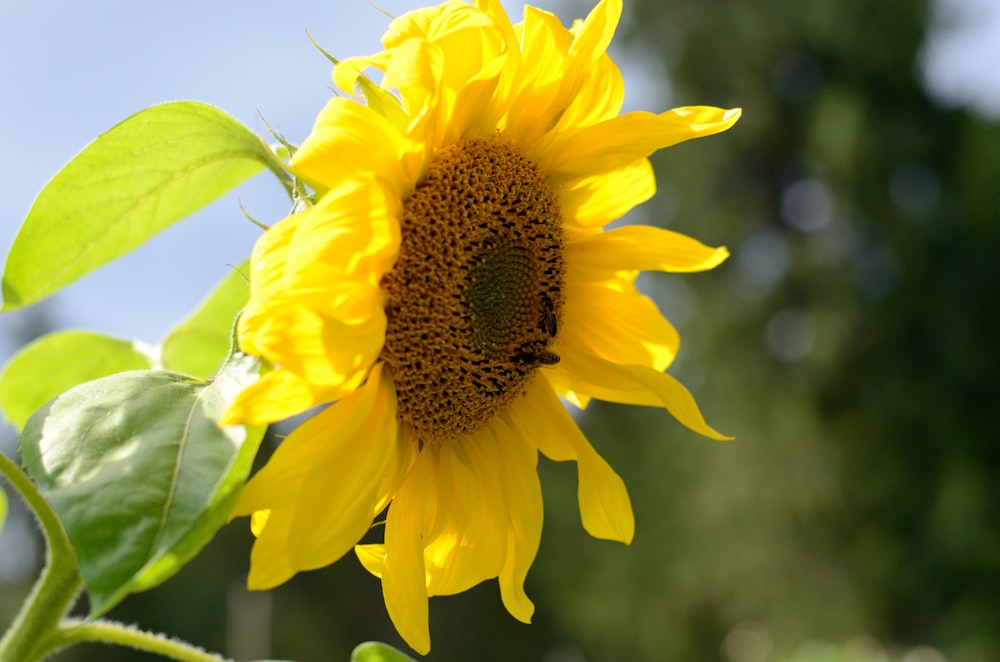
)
(59, 361)
(198, 345)
(143, 175)
(138, 471)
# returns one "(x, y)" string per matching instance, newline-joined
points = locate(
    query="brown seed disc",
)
(475, 296)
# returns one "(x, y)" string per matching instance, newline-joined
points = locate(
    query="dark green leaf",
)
(374, 651)
(199, 344)
(143, 175)
(59, 361)
(139, 473)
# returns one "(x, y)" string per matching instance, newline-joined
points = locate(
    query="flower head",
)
(451, 281)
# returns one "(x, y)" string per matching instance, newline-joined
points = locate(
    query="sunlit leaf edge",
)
(37, 266)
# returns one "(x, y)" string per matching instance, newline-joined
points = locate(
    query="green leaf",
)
(150, 171)
(374, 651)
(199, 344)
(139, 473)
(59, 361)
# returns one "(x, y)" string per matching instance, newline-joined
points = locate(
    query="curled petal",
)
(621, 140)
(638, 248)
(580, 370)
(605, 507)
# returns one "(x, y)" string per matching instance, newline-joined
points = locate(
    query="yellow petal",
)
(360, 443)
(470, 542)
(391, 479)
(331, 355)
(279, 483)
(605, 508)
(270, 563)
(469, 40)
(599, 97)
(404, 583)
(569, 80)
(316, 309)
(372, 557)
(309, 503)
(267, 262)
(446, 62)
(258, 520)
(437, 23)
(596, 201)
(276, 396)
(347, 72)
(351, 233)
(528, 416)
(621, 326)
(517, 468)
(624, 139)
(593, 36)
(637, 248)
(411, 68)
(592, 89)
(539, 99)
(414, 69)
(583, 371)
(348, 138)
(508, 41)
(475, 110)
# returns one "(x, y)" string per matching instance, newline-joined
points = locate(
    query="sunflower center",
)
(476, 292)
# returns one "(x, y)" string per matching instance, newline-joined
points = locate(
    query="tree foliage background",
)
(848, 344)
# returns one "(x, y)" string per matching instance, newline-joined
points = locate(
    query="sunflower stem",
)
(38, 630)
(56, 587)
(75, 631)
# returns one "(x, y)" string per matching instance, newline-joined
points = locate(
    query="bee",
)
(544, 357)
(550, 324)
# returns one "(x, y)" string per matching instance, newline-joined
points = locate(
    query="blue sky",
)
(69, 71)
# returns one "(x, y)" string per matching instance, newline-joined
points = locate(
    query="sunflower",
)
(451, 281)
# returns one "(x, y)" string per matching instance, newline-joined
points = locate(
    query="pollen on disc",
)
(476, 292)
